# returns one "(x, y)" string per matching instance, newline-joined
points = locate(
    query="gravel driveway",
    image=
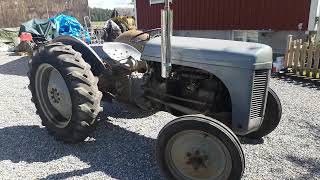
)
(124, 143)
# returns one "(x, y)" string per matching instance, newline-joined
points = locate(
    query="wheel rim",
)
(53, 95)
(197, 155)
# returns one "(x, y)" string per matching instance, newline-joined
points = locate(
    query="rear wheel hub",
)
(53, 94)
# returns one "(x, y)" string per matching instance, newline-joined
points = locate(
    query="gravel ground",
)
(124, 143)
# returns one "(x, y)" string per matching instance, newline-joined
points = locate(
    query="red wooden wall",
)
(228, 14)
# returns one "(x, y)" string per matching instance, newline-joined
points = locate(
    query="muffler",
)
(166, 31)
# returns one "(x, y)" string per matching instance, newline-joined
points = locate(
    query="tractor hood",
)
(212, 52)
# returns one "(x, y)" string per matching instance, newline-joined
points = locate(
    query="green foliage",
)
(98, 14)
(7, 35)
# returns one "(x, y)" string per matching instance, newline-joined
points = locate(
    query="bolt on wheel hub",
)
(195, 155)
(197, 160)
(55, 98)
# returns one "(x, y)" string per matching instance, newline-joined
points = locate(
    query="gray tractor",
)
(217, 88)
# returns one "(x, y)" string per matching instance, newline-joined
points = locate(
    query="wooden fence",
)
(303, 58)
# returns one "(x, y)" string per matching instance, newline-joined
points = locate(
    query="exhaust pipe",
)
(166, 31)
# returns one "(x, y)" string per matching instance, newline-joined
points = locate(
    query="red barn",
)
(265, 21)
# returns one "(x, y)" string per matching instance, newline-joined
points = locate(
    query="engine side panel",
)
(190, 91)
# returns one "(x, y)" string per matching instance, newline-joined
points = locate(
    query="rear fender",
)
(98, 66)
(118, 51)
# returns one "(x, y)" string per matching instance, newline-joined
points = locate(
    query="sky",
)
(109, 4)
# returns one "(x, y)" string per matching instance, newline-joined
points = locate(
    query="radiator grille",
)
(258, 93)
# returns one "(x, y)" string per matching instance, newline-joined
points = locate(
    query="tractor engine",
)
(187, 91)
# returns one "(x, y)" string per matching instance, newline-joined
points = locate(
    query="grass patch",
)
(98, 24)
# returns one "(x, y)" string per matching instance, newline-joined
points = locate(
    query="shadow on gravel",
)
(17, 67)
(126, 111)
(120, 153)
(303, 82)
(251, 141)
(312, 166)
(314, 129)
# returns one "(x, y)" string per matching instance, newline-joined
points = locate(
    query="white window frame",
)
(157, 1)
(245, 35)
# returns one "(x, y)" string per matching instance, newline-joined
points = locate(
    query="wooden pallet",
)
(302, 58)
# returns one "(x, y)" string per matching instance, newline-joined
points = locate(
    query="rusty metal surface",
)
(228, 14)
(14, 12)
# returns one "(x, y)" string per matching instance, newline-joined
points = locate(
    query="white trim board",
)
(314, 12)
(157, 1)
(318, 11)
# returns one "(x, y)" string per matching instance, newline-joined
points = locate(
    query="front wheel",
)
(65, 92)
(271, 118)
(197, 147)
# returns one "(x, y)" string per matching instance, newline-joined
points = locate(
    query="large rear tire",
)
(271, 118)
(65, 92)
(197, 147)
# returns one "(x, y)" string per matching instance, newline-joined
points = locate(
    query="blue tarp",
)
(68, 25)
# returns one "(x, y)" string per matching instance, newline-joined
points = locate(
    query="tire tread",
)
(80, 81)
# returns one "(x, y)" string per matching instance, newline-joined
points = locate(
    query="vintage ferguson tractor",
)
(218, 88)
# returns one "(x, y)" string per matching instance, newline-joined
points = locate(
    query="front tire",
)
(65, 92)
(271, 118)
(197, 147)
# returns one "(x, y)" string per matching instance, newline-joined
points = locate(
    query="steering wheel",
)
(149, 32)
